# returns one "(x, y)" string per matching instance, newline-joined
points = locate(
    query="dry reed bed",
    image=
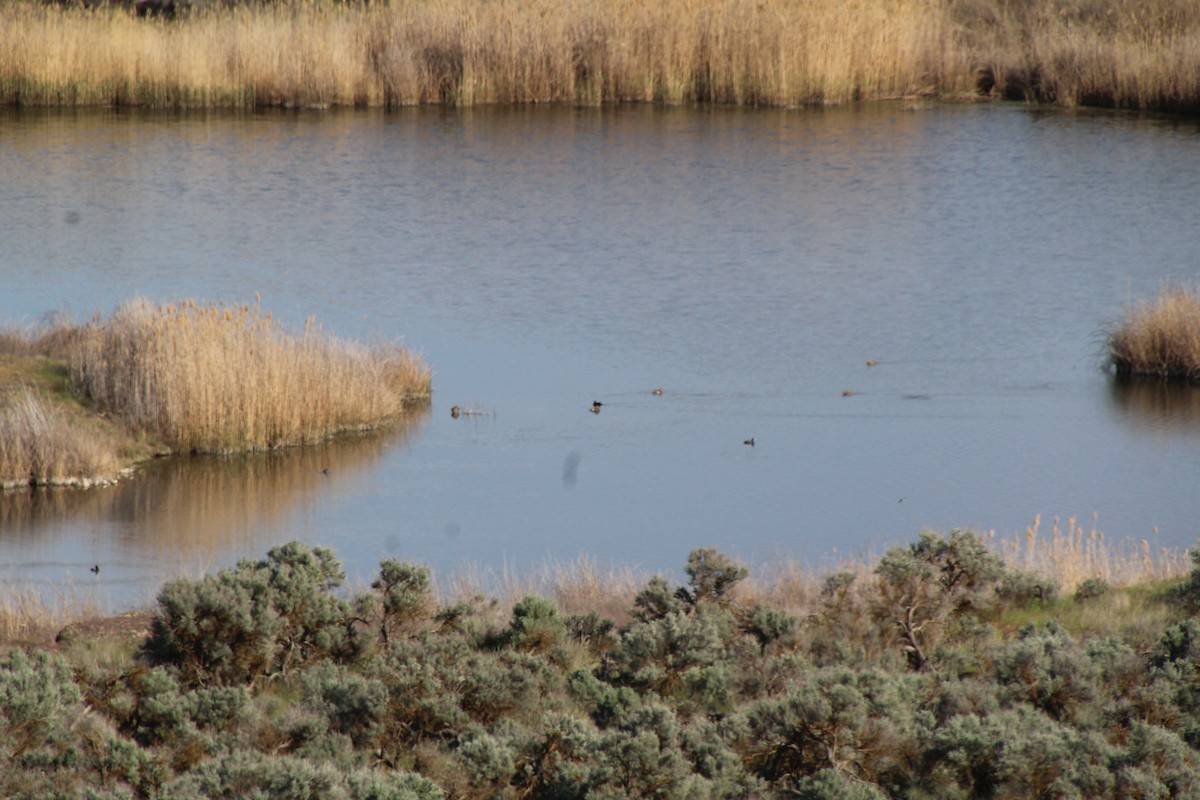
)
(41, 443)
(27, 616)
(1159, 338)
(216, 378)
(1134, 54)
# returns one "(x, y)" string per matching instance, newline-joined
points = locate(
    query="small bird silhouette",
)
(596, 406)
(95, 568)
(847, 393)
(871, 362)
(325, 471)
(657, 392)
(749, 441)
(455, 411)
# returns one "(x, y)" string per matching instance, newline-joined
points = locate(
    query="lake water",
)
(748, 262)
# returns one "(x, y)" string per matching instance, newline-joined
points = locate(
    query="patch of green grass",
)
(1121, 612)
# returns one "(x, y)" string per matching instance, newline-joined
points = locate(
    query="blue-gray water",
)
(749, 263)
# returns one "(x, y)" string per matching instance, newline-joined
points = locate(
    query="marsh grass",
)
(42, 443)
(1131, 54)
(217, 378)
(1159, 338)
(31, 617)
(1072, 553)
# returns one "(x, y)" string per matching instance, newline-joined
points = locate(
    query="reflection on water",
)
(196, 510)
(1162, 406)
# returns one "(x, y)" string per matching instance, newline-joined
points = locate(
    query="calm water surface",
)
(749, 263)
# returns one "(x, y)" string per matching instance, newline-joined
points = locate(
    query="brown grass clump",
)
(1160, 338)
(42, 443)
(217, 378)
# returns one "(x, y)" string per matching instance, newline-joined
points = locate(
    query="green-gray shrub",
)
(1187, 594)
(350, 702)
(711, 577)
(1157, 763)
(37, 695)
(1017, 753)
(831, 784)
(1090, 589)
(768, 625)
(608, 705)
(561, 759)
(262, 618)
(1048, 669)
(921, 585)
(404, 595)
(655, 655)
(656, 601)
(270, 777)
(489, 761)
(163, 714)
(535, 625)
(1020, 588)
(805, 732)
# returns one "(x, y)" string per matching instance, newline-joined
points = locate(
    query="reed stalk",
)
(1125, 53)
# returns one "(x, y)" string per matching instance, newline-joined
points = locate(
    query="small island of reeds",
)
(80, 402)
(1159, 338)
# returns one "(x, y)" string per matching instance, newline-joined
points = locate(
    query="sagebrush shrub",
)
(1047, 669)
(261, 618)
(921, 585)
(37, 694)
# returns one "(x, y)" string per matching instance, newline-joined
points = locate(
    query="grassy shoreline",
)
(1142, 55)
(80, 403)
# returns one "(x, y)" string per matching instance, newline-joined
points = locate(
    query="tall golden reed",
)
(1124, 53)
(1159, 338)
(1072, 554)
(217, 378)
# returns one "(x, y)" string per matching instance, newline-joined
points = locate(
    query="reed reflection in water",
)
(1164, 406)
(192, 511)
